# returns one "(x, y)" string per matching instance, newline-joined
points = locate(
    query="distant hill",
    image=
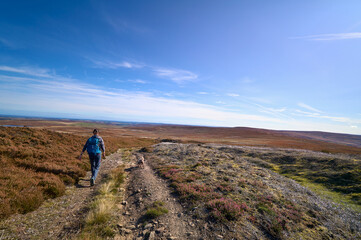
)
(346, 139)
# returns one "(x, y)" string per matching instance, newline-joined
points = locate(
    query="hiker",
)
(93, 146)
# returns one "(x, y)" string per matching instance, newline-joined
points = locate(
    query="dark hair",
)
(95, 130)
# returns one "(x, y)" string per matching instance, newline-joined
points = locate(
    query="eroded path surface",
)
(58, 218)
(144, 187)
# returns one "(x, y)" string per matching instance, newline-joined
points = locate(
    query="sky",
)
(282, 64)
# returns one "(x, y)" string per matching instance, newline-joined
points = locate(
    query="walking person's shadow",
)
(83, 183)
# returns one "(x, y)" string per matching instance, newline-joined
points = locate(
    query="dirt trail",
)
(58, 218)
(144, 187)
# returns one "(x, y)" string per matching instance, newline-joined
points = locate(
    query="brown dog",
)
(141, 160)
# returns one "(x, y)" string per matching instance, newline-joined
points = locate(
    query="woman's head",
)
(95, 131)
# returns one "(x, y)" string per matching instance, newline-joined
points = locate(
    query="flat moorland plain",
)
(233, 193)
(37, 164)
(248, 137)
(243, 136)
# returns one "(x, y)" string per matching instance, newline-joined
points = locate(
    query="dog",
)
(141, 161)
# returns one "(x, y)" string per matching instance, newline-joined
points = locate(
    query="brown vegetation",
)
(38, 164)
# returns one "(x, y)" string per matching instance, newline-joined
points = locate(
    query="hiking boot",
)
(92, 182)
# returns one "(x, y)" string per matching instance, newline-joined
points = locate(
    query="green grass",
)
(155, 210)
(323, 191)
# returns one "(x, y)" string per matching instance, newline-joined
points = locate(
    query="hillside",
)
(346, 139)
(37, 164)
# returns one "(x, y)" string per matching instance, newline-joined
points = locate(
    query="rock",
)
(124, 203)
(219, 237)
(191, 224)
(132, 227)
(149, 225)
(189, 233)
(151, 235)
(127, 231)
(171, 238)
(180, 214)
(160, 230)
(117, 237)
(120, 225)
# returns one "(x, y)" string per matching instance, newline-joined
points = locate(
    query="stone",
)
(124, 203)
(189, 233)
(132, 227)
(151, 235)
(160, 230)
(149, 225)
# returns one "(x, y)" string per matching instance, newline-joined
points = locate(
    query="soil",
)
(144, 187)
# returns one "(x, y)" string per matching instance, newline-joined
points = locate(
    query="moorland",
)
(256, 183)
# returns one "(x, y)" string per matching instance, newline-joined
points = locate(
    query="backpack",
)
(93, 145)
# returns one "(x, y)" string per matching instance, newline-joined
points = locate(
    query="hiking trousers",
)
(95, 160)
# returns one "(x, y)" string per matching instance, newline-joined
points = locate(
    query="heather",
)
(38, 164)
(228, 187)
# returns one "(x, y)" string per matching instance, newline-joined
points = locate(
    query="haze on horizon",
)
(286, 65)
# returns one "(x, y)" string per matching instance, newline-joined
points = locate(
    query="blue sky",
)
(291, 65)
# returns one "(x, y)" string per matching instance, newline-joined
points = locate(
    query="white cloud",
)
(232, 94)
(308, 107)
(176, 75)
(331, 36)
(137, 81)
(58, 94)
(31, 71)
(202, 93)
(115, 64)
(247, 80)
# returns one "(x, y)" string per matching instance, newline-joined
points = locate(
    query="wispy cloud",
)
(232, 94)
(203, 93)
(31, 71)
(176, 75)
(7, 43)
(308, 107)
(30, 90)
(73, 96)
(137, 81)
(331, 36)
(247, 80)
(115, 64)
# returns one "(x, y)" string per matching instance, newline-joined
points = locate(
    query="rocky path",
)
(58, 218)
(144, 187)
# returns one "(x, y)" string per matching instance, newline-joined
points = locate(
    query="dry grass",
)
(227, 186)
(98, 223)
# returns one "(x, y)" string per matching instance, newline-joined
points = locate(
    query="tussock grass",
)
(98, 223)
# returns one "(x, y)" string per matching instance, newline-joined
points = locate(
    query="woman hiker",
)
(93, 146)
